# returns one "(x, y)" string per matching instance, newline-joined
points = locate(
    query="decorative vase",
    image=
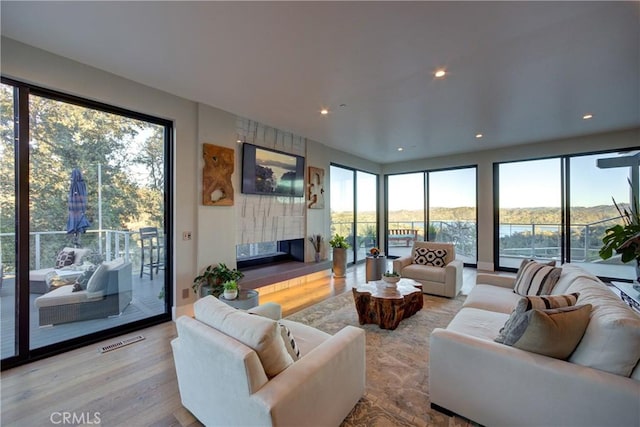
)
(391, 281)
(317, 257)
(339, 262)
(233, 294)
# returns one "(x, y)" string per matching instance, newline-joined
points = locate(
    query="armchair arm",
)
(323, 386)
(495, 280)
(453, 277)
(402, 262)
(271, 310)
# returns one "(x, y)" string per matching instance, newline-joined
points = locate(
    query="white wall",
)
(485, 159)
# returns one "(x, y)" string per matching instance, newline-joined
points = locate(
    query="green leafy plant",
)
(391, 274)
(215, 277)
(231, 285)
(339, 241)
(623, 239)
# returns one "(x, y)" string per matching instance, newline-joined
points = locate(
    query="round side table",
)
(246, 299)
(375, 267)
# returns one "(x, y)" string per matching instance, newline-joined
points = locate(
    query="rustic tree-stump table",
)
(384, 306)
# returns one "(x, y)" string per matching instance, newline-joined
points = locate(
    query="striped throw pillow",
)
(289, 342)
(534, 278)
(529, 303)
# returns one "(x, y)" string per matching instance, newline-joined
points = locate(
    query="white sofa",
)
(231, 378)
(497, 385)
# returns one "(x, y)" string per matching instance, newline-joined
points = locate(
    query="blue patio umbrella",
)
(77, 222)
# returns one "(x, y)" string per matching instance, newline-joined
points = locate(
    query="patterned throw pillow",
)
(289, 342)
(534, 278)
(529, 303)
(64, 259)
(433, 257)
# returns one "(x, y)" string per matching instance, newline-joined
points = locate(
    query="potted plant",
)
(624, 239)
(211, 281)
(340, 245)
(230, 289)
(391, 278)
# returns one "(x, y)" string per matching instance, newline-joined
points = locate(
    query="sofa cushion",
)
(65, 258)
(611, 342)
(478, 323)
(493, 298)
(432, 257)
(259, 333)
(553, 332)
(65, 295)
(570, 273)
(534, 278)
(424, 272)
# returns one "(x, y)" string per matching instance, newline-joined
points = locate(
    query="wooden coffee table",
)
(386, 307)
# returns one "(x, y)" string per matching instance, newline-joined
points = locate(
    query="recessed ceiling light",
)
(479, 135)
(324, 111)
(587, 116)
(400, 149)
(440, 73)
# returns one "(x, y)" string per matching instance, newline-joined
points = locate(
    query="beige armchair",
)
(235, 369)
(434, 265)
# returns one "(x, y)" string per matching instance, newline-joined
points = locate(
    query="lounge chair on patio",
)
(38, 278)
(108, 293)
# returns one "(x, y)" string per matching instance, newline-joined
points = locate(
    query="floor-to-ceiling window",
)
(591, 191)
(405, 211)
(96, 202)
(8, 266)
(354, 214)
(559, 209)
(438, 206)
(529, 211)
(452, 213)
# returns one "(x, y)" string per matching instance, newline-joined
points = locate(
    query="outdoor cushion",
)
(65, 258)
(65, 295)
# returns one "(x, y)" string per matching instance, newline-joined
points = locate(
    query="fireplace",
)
(267, 253)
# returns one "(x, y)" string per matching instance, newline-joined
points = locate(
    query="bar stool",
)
(150, 243)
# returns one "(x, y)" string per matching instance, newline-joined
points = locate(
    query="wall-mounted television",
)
(271, 172)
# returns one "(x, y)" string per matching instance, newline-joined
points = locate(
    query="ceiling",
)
(518, 72)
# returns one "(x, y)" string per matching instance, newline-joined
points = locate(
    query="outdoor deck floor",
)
(145, 303)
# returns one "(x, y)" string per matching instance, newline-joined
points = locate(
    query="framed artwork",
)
(315, 188)
(217, 189)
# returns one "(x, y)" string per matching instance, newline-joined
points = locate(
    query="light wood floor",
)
(135, 385)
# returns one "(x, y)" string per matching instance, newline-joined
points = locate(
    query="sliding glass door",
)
(97, 232)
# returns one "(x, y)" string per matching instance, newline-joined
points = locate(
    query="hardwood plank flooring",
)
(134, 385)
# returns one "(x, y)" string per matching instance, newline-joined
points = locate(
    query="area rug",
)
(397, 390)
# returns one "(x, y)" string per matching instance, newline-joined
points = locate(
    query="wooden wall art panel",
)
(315, 188)
(217, 188)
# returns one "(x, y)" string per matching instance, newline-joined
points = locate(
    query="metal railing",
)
(44, 246)
(542, 240)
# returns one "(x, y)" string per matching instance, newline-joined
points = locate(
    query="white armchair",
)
(224, 381)
(434, 265)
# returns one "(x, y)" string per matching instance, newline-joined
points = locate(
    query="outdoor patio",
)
(145, 303)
